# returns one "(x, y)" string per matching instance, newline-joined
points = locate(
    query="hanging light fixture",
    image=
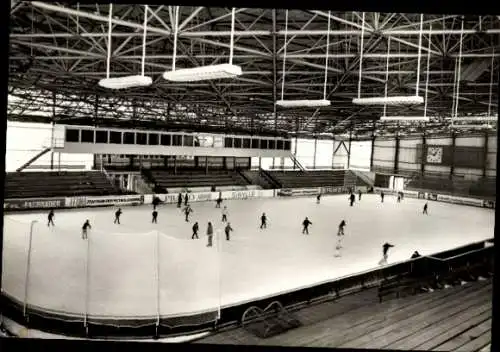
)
(424, 118)
(203, 73)
(396, 100)
(127, 81)
(309, 103)
(488, 118)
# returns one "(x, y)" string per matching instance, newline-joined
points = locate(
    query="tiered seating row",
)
(299, 179)
(57, 184)
(457, 318)
(198, 178)
(483, 188)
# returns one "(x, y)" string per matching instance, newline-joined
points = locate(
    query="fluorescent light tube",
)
(203, 73)
(405, 118)
(475, 118)
(483, 126)
(398, 100)
(126, 82)
(303, 103)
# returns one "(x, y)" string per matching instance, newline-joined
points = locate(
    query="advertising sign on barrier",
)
(411, 194)
(459, 200)
(298, 192)
(41, 203)
(335, 190)
(114, 200)
(432, 196)
(421, 195)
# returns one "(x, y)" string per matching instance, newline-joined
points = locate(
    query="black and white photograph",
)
(218, 175)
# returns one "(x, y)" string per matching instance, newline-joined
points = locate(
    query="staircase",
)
(33, 159)
(297, 163)
(363, 177)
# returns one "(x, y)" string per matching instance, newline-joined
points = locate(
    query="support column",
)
(453, 143)
(52, 142)
(224, 162)
(131, 161)
(165, 161)
(485, 160)
(372, 151)
(333, 151)
(275, 74)
(396, 155)
(295, 151)
(175, 164)
(260, 162)
(206, 165)
(422, 162)
(315, 148)
(349, 151)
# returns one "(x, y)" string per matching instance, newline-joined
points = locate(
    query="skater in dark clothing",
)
(156, 202)
(263, 221)
(352, 198)
(218, 202)
(117, 216)
(382, 196)
(179, 201)
(228, 230)
(155, 217)
(224, 214)
(425, 209)
(86, 226)
(399, 197)
(210, 234)
(187, 211)
(186, 199)
(318, 198)
(196, 227)
(385, 249)
(359, 194)
(305, 225)
(50, 218)
(340, 233)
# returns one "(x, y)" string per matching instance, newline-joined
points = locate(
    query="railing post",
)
(28, 265)
(157, 258)
(87, 285)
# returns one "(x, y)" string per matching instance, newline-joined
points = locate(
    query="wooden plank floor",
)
(457, 318)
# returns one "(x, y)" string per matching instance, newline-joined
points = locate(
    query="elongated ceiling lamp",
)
(305, 102)
(126, 81)
(454, 115)
(396, 100)
(203, 73)
(424, 118)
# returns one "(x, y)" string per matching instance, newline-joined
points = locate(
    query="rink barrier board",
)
(72, 324)
(171, 198)
(441, 198)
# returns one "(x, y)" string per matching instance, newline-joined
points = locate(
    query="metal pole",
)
(26, 280)
(315, 149)
(157, 281)
(87, 284)
(219, 273)
(275, 75)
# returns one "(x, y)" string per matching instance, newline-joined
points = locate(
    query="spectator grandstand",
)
(300, 179)
(58, 184)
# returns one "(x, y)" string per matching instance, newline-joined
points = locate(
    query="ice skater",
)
(86, 226)
(155, 217)
(340, 234)
(218, 202)
(186, 199)
(352, 199)
(263, 221)
(318, 198)
(156, 202)
(425, 209)
(359, 194)
(187, 211)
(50, 218)
(382, 197)
(179, 200)
(224, 214)
(196, 227)
(385, 249)
(399, 197)
(117, 216)
(228, 230)
(305, 224)
(210, 234)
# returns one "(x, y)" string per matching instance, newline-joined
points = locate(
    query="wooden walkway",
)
(453, 319)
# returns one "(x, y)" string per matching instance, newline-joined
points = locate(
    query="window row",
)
(143, 138)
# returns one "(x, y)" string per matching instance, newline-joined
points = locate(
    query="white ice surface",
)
(123, 269)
